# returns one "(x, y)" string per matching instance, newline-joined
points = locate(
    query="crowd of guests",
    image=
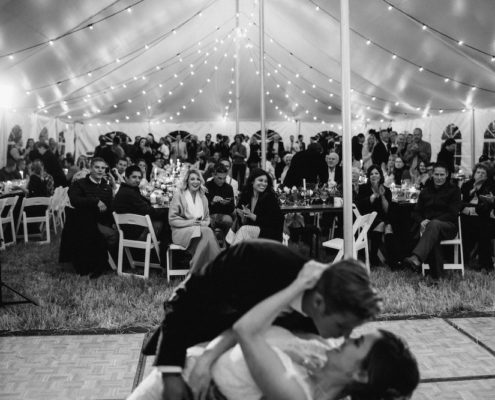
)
(227, 197)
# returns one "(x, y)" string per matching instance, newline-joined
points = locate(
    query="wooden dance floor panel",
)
(68, 367)
(456, 359)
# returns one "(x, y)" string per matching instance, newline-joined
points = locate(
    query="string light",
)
(421, 68)
(152, 70)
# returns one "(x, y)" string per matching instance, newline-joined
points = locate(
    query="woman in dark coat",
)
(446, 155)
(475, 216)
(374, 196)
(258, 207)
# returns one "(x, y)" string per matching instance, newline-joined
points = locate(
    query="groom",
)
(207, 305)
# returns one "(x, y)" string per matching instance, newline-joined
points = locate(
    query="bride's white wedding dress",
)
(231, 374)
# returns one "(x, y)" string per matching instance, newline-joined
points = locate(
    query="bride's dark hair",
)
(392, 370)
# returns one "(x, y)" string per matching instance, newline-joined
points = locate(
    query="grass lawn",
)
(71, 302)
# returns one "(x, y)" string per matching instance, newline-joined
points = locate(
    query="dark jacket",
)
(442, 203)
(446, 158)
(84, 196)
(224, 191)
(338, 176)
(206, 305)
(268, 214)
(53, 167)
(365, 206)
(129, 200)
(401, 174)
(483, 208)
(37, 187)
(309, 165)
(379, 154)
(82, 243)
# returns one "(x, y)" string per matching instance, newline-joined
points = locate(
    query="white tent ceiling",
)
(122, 64)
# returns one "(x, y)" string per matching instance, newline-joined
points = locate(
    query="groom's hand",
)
(175, 388)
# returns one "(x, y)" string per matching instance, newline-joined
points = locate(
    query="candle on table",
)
(304, 184)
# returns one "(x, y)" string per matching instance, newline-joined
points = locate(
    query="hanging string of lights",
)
(189, 70)
(133, 54)
(200, 91)
(373, 98)
(175, 59)
(50, 42)
(396, 56)
(430, 28)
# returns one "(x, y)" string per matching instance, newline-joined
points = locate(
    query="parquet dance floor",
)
(456, 357)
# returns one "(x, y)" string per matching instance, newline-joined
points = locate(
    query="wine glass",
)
(324, 196)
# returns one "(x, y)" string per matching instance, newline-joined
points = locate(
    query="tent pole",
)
(237, 64)
(262, 82)
(75, 141)
(473, 141)
(346, 126)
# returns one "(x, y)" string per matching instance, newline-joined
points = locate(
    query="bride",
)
(272, 363)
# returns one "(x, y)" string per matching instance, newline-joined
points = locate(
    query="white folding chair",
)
(60, 200)
(172, 271)
(124, 244)
(7, 206)
(42, 220)
(360, 232)
(458, 252)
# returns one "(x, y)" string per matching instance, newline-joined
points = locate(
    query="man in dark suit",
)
(334, 169)
(310, 165)
(276, 146)
(206, 306)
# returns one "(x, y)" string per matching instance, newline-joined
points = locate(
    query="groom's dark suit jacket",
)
(203, 306)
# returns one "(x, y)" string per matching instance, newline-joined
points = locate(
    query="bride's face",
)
(347, 358)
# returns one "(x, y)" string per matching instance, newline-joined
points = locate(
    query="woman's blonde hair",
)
(183, 184)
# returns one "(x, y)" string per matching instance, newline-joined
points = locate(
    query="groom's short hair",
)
(346, 287)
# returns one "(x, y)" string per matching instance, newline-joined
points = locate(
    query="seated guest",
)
(421, 175)
(374, 196)
(400, 172)
(220, 197)
(356, 174)
(437, 208)
(88, 233)
(231, 181)
(258, 210)
(10, 172)
(40, 183)
(118, 171)
(287, 161)
(334, 170)
(143, 166)
(129, 200)
(189, 219)
(477, 229)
